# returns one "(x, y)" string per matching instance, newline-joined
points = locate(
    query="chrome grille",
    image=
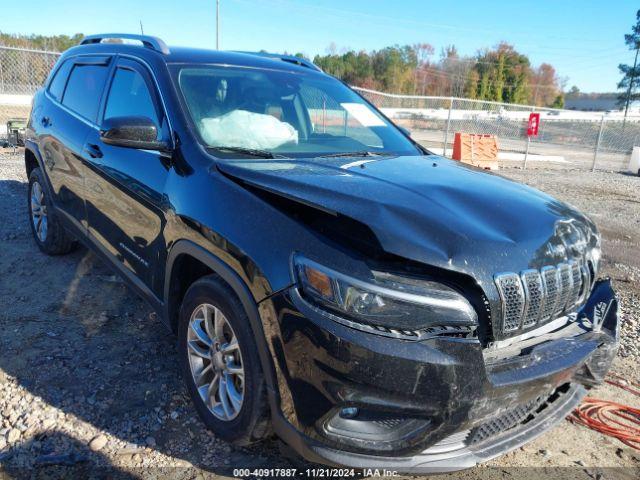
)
(536, 297)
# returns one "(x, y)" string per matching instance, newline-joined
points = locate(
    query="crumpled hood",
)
(433, 210)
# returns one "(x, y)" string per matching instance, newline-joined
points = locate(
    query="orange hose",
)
(618, 381)
(611, 418)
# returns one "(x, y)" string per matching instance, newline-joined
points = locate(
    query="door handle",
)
(93, 150)
(45, 122)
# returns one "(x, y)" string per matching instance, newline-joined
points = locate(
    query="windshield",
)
(262, 112)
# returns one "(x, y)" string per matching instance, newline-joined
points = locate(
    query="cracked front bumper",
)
(436, 405)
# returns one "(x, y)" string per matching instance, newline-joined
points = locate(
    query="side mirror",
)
(132, 132)
(406, 131)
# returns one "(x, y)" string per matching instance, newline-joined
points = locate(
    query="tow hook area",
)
(601, 310)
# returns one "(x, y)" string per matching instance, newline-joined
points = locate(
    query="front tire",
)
(48, 232)
(220, 364)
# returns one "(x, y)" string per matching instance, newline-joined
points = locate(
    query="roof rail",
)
(286, 58)
(153, 43)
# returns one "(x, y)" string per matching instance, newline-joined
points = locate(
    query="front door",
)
(125, 186)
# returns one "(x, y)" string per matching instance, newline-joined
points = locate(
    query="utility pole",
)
(633, 75)
(217, 24)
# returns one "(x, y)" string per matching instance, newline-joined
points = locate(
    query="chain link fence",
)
(566, 138)
(22, 72)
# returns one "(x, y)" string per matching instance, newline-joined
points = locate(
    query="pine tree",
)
(631, 74)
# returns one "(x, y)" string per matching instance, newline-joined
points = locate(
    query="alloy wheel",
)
(39, 211)
(216, 362)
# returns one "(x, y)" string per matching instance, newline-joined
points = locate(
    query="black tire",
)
(56, 240)
(252, 424)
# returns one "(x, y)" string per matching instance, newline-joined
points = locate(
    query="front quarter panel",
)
(255, 239)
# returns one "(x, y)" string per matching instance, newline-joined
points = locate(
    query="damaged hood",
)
(432, 210)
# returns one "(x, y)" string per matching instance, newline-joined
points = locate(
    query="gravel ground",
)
(89, 377)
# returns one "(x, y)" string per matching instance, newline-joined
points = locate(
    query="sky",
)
(583, 40)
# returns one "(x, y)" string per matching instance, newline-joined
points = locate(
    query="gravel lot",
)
(89, 378)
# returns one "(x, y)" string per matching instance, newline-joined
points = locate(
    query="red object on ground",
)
(534, 123)
(611, 418)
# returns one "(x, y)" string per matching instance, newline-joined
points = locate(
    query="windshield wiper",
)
(363, 153)
(254, 152)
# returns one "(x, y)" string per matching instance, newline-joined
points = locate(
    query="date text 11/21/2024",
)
(314, 472)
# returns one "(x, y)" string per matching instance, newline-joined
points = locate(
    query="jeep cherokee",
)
(328, 279)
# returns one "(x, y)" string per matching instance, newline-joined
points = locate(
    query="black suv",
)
(328, 278)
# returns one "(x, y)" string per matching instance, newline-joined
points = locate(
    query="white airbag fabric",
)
(240, 128)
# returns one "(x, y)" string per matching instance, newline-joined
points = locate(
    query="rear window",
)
(84, 89)
(56, 87)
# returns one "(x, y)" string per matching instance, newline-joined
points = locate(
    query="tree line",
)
(52, 43)
(499, 74)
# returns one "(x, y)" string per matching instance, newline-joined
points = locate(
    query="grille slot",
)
(534, 297)
(566, 287)
(586, 282)
(517, 416)
(504, 422)
(551, 292)
(512, 294)
(576, 279)
(390, 423)
(537, 297)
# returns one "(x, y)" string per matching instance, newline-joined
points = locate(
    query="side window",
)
(56, 87)
(84, 89)
(129, 96)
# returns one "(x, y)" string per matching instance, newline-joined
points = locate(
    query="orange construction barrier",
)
(476, 149)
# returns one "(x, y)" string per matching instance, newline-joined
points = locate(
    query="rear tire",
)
(48, 232)
(215, 340)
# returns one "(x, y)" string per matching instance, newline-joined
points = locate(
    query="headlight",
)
(387, 301)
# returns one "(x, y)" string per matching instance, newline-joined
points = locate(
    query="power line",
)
(217, 24)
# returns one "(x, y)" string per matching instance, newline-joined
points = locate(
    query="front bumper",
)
(436, 405)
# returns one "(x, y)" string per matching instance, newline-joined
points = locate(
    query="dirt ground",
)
(89, 377)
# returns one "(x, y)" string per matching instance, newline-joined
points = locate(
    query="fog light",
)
(349, 412)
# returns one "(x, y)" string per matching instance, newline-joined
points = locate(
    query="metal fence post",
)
(446, 131)
(1, 73)
(595, 153)
(526, 150)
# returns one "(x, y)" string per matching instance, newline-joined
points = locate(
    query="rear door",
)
(125, 202)
(64, 123)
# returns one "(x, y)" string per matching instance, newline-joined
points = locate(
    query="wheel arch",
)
(30, 161)
(33, 160)
(186, 250)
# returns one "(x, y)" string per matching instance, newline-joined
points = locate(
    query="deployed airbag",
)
(240, 128)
